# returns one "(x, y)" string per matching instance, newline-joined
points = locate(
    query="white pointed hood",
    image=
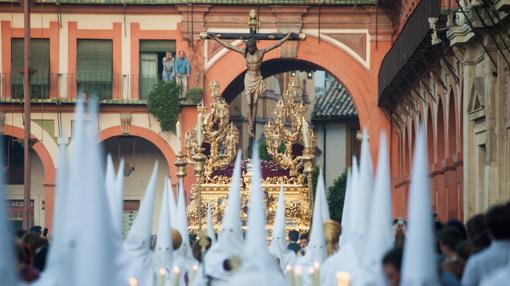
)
(419, 260)
(346, 258)
(258, 267)
(210, 224)
(172, 202)
(353, 202)
(183, 255)
(68, 231)
(380, 237)
(230, 242)
(56, 255)
(362, 198)
(345, 209)
(316, 249)
(110, 179)
(118, 196)
(8, 273)
(321, 190)
(163, 253)
(278, 246)
(137, 243)
(110, 182)
(94, 263)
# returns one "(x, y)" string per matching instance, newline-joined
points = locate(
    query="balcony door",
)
(152, 53)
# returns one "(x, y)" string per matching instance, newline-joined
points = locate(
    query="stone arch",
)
(452, 125)
(412, 142)
(440, 133)
(430, 135)
(356, 79)
(48, 168)
(148, 135)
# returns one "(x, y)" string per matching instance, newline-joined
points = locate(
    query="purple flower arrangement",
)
(269, 169)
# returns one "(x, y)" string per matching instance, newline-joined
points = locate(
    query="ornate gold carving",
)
(287, 130)
(221, 138)
(219, 133)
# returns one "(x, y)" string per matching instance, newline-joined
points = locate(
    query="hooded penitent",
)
(346, 258)
(163, 252)
(380, 238)
(183, 256)
(278, 246)
(316, 249)
(419, 265)
(230, 242)
(258, 267)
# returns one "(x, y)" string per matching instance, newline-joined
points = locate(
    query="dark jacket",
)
(294, 247)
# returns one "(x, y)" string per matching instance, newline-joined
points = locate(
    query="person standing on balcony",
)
(182, 70)
(168, 67)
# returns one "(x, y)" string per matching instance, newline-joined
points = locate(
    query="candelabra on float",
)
(289, 129)
(181, 162)
(210, 145)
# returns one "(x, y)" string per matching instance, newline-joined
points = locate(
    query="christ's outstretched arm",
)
(279, 43)
(228, 45)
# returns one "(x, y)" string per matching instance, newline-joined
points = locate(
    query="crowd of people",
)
(87, 246)
(466, 253)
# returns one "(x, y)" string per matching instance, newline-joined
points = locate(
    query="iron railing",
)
(395, 65)
(218, 2)
(66, 86)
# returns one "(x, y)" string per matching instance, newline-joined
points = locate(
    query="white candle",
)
(317, 267)
(199, 130)
(132, 281)
(161, 277)
(343, 279)
(304, 129)
(299, 279)
(313, 278)
(290, 273)
(179, 138)
(194, 270)
(177, 276)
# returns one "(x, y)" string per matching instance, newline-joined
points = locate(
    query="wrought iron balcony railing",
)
(218, 2)
(66, 87)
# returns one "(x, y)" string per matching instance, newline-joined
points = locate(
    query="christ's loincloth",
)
(253, 87)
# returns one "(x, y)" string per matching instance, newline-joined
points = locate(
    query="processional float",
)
(211, 147)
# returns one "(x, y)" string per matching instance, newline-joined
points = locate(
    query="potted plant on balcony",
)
(194, 95)
(163, 103)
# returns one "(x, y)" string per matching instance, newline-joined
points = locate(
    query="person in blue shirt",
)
(182, 70)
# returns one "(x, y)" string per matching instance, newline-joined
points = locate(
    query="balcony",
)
(62, 88)
(217, 2)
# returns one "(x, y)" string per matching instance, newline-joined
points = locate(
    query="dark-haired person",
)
(303, 243)
(497, 255)
(293, 238)
(392, 263)
(452, 265)
(477, 233)
(37, 229)
(26, 271)
(458, 225)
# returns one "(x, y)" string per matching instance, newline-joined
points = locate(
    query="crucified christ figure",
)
(253, 81)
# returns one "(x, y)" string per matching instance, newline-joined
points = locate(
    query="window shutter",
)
(94, 61)
(17, 61)
(40, 61)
